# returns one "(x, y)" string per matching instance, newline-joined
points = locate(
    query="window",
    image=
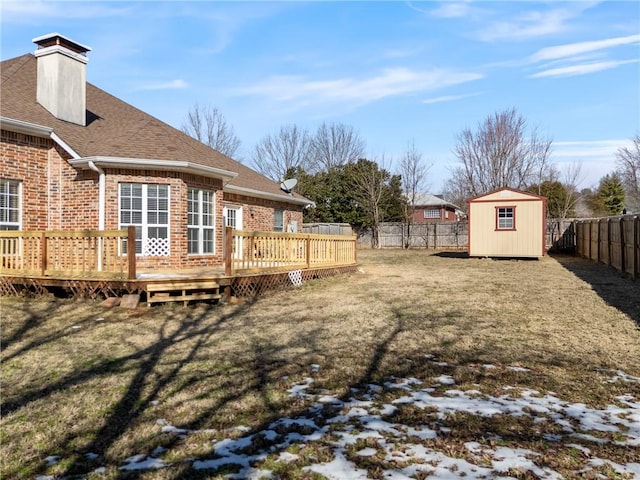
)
(10, 193)
(506, 218)
(147, 208)
(201, 216)
(432, 213)
(278, 223)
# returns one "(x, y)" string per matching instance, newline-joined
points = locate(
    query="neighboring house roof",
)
(120, 134)
(429, 200)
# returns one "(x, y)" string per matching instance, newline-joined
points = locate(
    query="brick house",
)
(74, 157)
(432, 208)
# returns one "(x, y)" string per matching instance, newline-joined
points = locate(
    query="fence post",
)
(131, 251)
(43, 253)
(308, 251)
(228, 251)
(623, 246)
(636, 247)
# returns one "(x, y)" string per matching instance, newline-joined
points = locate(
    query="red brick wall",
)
(179, 183)
(418, 215)
(54, 195)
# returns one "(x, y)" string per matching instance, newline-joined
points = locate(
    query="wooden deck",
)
(95, 264)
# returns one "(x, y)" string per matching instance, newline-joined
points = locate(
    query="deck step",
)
(177, 291)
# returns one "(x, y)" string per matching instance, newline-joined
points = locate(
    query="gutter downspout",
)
(102, 188)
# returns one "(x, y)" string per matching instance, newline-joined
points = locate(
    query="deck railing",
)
(247, 251)
(103, 253)
(72, 253)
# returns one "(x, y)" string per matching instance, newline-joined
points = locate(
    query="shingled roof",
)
(116, 129)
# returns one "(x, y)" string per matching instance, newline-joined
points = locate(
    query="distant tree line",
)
(334, 171)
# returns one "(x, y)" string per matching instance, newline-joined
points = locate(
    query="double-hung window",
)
(505, 218)
(278, 222)
(146, 207)
(201, 217)
(10, 203)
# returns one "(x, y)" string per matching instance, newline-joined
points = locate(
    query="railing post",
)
(131, 251)
(308, 250)
(228, 251)
(43, 253)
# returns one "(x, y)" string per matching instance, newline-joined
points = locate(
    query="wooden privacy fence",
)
(420, 235)
(614, 241)
(77, 253)
(265, 251)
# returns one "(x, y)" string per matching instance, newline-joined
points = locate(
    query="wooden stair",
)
(182, 291)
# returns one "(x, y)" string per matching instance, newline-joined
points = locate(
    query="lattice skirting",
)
(78, 288)
(249, 286)
(242, 286)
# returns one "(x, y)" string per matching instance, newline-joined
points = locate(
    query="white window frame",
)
(278, 227)
(431, 213)
(506, 218)
(201, 223)
(6, 207)
(146, 244)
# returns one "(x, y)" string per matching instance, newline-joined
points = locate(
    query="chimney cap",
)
(55, 38)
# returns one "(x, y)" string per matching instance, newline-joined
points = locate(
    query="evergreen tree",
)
(611, 194)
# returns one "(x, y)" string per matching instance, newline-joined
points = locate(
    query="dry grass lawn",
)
(78, 379)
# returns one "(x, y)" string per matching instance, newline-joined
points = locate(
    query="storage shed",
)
(507, 223)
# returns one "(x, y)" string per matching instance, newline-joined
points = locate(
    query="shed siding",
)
(526, 240)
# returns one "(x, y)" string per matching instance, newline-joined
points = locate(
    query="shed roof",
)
(116, 129)
(505, 193)
(429, 200)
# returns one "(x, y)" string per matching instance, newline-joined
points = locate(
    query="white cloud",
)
(33, 12)
(449, 98)
(597, 158)
(581, 69)
(451, 10)
(535, 23)
(170, 85)
(572, 49)
(359, 91)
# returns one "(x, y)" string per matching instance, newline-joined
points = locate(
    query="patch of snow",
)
(315, 368)
(287, 457)
(367, 452)
(91, 456)
(142, 462)
(519, 369)
(52, 460)
(445, 380)
(338, 469)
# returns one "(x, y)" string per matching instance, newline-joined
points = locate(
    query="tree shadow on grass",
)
(618, 290)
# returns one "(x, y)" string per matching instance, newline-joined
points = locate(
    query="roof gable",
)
(505, 194)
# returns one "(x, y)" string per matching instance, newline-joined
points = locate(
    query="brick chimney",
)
(62, 77)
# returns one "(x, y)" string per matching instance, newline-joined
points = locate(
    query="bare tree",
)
(209, 126)
(369, 188)
(414, 177)
(275, 155)
(500, 155)
(334, 145)
(628, 163)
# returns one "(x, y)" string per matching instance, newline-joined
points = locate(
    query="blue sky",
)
(398, 72)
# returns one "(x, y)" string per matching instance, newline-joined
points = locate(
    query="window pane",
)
(192, 240)
(207, 245)
(9, 205)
